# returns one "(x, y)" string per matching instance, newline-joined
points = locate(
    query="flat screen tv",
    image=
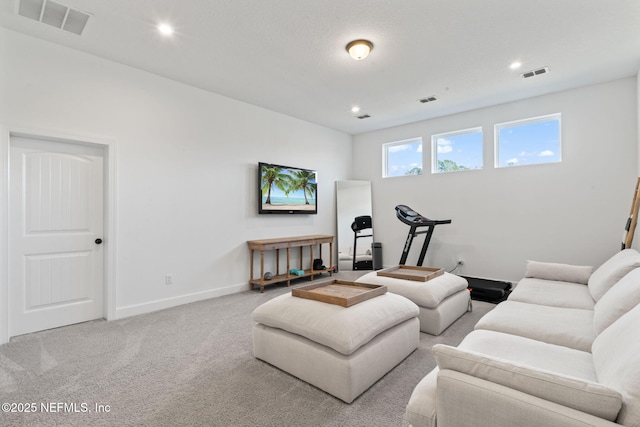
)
(287, 190)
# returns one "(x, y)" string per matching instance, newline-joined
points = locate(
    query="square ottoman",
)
(341, 350)
(442, 300)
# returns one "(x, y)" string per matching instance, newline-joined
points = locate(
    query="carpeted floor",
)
(190, 365)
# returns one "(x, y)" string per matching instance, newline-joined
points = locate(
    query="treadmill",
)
(414, 220)
(359, 225)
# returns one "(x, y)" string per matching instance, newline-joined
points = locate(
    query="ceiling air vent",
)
(428, 99)
(54, 14)
(534, 73)
(364, 116)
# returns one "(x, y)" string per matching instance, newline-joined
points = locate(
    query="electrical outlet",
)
(168, 279)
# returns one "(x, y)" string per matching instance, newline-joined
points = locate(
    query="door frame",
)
(108, 147)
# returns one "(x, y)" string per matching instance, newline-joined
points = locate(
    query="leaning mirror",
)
(354, 223)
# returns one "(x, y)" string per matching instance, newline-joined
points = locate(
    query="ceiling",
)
(289, 55)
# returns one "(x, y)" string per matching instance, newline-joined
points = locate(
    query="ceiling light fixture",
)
(359, 49)
(355, 109)
(515, 65)
(165, 29)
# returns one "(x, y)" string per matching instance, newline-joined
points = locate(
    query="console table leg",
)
(261, 272)
(251, 271)
(331, 259)
(311, 260)
(288, 267)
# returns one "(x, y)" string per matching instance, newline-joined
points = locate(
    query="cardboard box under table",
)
(442, 297)
(340, 348)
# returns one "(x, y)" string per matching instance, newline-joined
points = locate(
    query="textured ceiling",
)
(289, 55)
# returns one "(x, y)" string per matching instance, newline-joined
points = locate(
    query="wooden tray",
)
(339, 292)
(409, 272)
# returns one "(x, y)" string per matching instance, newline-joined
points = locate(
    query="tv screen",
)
(287, 190)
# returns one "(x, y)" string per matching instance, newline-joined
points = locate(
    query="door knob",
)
(98, 241)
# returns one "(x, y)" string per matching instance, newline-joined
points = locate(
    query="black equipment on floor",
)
(360, 224)
(488, 290)
(376, 253)
(414, 220)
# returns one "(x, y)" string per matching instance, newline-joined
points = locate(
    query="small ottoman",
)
(442, 300)
(341, 350)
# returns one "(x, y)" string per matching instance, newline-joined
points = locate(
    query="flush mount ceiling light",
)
(359, 49)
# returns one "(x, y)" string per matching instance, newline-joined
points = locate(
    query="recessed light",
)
(355, 109)
(515, 65)
(165, 29)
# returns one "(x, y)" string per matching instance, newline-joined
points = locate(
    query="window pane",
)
(528, 142)
(457, 151)
(402, 158)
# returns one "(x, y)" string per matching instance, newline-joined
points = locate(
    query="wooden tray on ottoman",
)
(409, 272)
(339, 292)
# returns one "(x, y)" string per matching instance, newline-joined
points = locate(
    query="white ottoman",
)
(341, 350)
(441, 300)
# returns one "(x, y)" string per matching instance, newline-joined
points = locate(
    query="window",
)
(457, 151)
(402, 158)
(528, 142)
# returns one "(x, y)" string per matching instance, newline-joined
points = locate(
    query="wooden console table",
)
(288, 243)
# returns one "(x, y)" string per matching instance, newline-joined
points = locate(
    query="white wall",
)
(572, 212)
(186, 166)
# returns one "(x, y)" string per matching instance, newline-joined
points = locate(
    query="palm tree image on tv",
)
(287, 188)
(305, 181)
(273, 175)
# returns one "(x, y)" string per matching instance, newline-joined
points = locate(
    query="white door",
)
(56, 228)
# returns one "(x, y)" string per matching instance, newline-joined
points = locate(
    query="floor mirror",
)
(354, 225)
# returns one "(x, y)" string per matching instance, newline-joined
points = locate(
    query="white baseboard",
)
(148, 307)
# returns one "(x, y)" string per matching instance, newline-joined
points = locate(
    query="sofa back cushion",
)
(621, 298)
(616, 359)
(614, 269)
(559, 272)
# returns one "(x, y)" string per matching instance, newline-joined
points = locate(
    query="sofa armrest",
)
(581, 395)
(465, 400)
(558, 272)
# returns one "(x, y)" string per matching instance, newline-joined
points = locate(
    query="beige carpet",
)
(190, 365)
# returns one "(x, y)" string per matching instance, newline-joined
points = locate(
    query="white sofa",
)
(563, 350)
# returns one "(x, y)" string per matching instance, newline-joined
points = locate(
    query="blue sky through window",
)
(404, 158)
(462, 150)
(528, 142)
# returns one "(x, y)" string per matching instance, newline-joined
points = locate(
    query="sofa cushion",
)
(621, 298)
(570, 327)
(614, 269)
(552, 293)
(550, 357)
(616, 358)
(344, 329)
(427, 294)
(577, 393)
(558, 272)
